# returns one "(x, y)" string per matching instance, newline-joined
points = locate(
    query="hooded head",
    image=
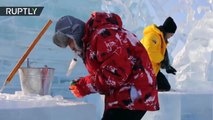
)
(68, 28)
(169, 25)
(100, 19)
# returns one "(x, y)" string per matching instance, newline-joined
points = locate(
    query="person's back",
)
(155, 44)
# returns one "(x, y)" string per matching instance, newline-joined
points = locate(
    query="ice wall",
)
(195, 61)
(190, 17)
(17, 33)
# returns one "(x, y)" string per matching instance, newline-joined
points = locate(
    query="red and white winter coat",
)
(116, 62)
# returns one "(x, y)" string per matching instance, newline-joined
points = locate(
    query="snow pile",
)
(35, 107)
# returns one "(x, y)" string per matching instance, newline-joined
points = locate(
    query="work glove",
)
(78, 89)
(171, 70)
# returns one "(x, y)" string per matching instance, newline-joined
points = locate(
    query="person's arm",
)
(165, 62)
(153, 47)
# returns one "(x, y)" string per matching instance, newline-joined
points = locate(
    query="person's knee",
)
(164, 88)
(168, 88)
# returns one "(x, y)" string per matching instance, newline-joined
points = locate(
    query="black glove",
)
(171, 70)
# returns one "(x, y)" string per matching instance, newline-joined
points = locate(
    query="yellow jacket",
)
(155, 45)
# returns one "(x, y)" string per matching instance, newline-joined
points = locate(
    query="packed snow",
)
(190, 52)
(19, 106)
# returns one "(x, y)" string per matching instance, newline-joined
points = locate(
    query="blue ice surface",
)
(18, 32)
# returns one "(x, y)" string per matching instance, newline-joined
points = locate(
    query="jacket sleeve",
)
(165, 62)
(153, 47)
(114, 67)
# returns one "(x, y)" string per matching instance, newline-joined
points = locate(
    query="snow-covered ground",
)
(190, 51)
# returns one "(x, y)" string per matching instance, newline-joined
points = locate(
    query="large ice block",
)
(183, 106)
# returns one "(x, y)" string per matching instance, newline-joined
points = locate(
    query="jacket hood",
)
(71, 27)
(99, 19)
(152, 28)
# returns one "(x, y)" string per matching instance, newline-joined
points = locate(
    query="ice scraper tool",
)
(18, 65)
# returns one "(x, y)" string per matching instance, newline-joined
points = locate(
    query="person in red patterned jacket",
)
(118, 65)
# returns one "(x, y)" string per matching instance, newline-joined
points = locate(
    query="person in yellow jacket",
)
(155, 41)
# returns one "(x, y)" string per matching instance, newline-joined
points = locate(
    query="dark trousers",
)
(123, 114)
(162, 82)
